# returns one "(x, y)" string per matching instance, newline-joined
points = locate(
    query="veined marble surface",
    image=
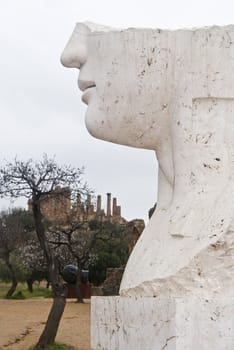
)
(141, 323)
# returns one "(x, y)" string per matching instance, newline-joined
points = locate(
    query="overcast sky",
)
(40, 106)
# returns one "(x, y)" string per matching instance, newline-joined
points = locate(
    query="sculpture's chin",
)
(95, 123)
(112, 128)
(104, 128)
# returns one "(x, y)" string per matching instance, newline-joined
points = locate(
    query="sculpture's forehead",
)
(99, 29)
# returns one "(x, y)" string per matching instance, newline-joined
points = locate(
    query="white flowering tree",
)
(14, 234)
(33, 261)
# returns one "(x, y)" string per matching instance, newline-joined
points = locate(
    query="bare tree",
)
(36, 180)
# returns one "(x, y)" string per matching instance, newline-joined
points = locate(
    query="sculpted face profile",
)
(171, 92)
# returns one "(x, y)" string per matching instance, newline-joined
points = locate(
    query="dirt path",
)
(21, 323)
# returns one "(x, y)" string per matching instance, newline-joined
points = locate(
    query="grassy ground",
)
(56, 346)
(23, 293)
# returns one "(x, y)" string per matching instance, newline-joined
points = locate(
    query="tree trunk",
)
(59, 291)
(14, 281)
(49, 333)
(78, 289)
(12, 289)
(30, 285)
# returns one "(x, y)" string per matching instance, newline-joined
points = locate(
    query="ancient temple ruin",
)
(59, 207)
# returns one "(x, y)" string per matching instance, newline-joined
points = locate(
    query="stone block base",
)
(123, 323)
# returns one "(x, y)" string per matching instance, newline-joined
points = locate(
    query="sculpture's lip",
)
(85, 84)
(87, 94)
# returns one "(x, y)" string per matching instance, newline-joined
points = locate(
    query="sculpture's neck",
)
(165, 180)
(201, 163)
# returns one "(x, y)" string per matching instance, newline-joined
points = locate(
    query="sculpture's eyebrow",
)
(90, 28)
(80, 32)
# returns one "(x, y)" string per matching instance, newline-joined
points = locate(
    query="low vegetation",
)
(56, 346)
(22, 292)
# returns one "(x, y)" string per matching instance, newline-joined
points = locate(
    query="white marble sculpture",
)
(172, 92)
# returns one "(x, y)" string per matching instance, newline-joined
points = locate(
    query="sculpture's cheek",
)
(130, 101)
(120, 115)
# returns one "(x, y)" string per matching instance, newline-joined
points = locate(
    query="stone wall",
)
(133, 232)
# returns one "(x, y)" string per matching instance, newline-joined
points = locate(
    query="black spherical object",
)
(70, 273)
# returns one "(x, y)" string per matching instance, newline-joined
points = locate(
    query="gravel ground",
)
(22, 321)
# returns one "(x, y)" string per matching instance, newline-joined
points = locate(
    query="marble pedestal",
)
(145, 323)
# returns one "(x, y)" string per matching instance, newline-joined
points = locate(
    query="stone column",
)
(88, 205)
(108, 206)
(99, 204)
(118, 210)
(114, 204)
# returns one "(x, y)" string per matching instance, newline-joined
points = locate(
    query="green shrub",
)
(95, 225)
(56, 346)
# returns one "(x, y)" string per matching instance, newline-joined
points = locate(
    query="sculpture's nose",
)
(75, 52)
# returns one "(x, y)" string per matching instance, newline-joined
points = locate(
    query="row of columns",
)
(116, 209)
